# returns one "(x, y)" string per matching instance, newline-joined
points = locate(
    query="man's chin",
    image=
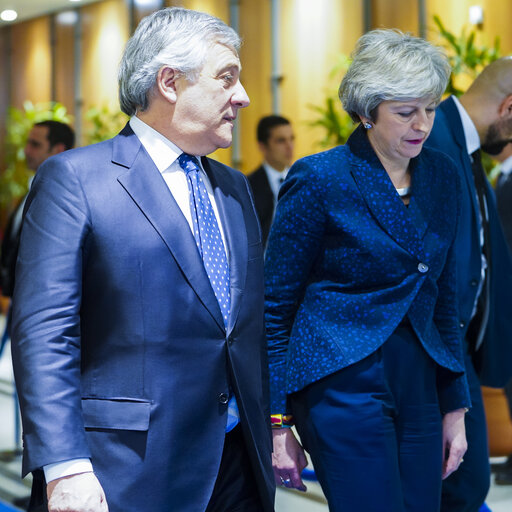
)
(224, 143)
(495, 148)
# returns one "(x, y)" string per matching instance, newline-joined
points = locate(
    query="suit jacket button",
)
(462, 324)
(422, 267)
(223, 398)
(231, 340)
(473, 282)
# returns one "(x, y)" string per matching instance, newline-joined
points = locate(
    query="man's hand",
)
(288, 459)
(76, 493)
(454, 441)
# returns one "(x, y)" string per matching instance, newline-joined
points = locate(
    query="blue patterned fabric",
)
(347, 261)
(209, 243)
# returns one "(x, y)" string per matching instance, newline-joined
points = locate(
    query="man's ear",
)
(166, 83)
(57, 148)
(262, 146)
(505, 108)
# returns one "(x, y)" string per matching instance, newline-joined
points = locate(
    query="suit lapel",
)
(380, 195)
(232, 219)
(145, 185)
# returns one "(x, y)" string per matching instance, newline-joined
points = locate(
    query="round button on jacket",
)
(422, 267)
(223, 398)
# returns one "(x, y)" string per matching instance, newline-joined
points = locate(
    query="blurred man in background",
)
(276, 143)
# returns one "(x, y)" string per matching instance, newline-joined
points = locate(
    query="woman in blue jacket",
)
(365, 352)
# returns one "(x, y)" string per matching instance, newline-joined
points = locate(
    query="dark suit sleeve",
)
(46, 317)
(504, 203)
(294, 242)
(452, 388)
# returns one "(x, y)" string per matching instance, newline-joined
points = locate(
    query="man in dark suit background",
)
(503, 472)
(480, 118)
(276, 143)
(138, 337)
(45, 139)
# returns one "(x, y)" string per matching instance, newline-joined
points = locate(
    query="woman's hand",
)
(454, 441)
(288, 459)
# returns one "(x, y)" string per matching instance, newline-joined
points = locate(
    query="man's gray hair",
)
(390, 65)
(174, 37)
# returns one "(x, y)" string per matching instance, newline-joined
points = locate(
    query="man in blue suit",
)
(138, 336)
(480, 119)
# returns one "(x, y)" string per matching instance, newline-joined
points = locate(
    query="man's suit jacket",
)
(347, 261)
(504, 204)
(493, 361)
(264, 200)
(119, 347)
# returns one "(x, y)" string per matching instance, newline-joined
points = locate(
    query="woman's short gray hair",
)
(174, 37)
(390, 65)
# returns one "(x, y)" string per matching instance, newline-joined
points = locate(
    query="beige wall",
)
(312, 35)
(455, 15)
(64, 66)
(31, 61)
(312, 39)
(401, 14)
(105, 30)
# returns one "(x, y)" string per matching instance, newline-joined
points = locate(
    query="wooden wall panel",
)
(255, 55)
(105, 30)
(312, 36)
(31, 61)
(401, 14)
(4, 89)
(64, 65)
(455, 16)
(219, 8)
(312, 40)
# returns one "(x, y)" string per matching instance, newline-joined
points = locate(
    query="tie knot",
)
(188, 162)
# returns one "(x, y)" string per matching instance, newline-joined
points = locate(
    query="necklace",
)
(402, 192)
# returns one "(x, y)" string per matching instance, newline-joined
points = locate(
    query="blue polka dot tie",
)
(207, 234)
(211, 247)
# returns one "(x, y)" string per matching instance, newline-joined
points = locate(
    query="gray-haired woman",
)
(364, 346)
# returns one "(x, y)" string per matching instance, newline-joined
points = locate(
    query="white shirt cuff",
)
(66, 468)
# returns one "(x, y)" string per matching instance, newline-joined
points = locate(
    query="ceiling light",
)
(67, 17)
(150, 4)
(8, 15)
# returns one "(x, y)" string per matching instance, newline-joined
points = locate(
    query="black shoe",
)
(502, 466)
(503, 477)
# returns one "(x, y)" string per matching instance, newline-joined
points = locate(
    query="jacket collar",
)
(406, 225)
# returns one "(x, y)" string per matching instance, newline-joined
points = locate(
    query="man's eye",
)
(228, 78)
(404, 114)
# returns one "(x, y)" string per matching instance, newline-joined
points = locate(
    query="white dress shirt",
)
(275, 178)
(165, 156)
(506, 166)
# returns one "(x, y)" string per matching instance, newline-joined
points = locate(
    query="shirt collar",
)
(274, 174)
(470, 131)
(506, 166)
(161, 150)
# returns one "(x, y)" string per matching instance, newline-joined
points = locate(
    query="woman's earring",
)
(367, 125)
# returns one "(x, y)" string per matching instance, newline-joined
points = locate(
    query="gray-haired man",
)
(139, 350)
